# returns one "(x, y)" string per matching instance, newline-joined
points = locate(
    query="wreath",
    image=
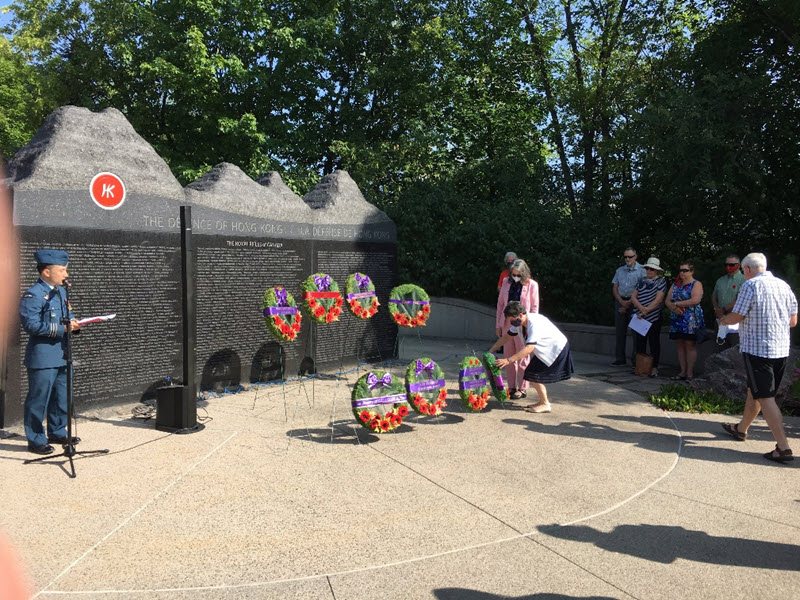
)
(281, 314)
(472, 384)
(496, 379)
(427, 391)
(360, 294)
(409, 305)
(372, 394)
(321, 298)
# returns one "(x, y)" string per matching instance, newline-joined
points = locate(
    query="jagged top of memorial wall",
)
(226, 187)
(74, 144)
(337, 199)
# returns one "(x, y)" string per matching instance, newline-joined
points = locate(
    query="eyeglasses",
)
(649, 269)
(731, 264)
(626, 256)
(685, 270)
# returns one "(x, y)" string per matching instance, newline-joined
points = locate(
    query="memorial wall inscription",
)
(140, 283)
(247, 235)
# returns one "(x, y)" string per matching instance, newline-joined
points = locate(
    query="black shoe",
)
(43, 449)
(618, 363)
(62, 440)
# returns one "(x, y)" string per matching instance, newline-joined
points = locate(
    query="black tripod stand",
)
(69, 447)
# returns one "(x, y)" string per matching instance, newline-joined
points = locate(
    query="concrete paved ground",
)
(283, 496)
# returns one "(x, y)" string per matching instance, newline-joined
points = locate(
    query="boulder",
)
(226, 187)
(74, 144)
(724, 374)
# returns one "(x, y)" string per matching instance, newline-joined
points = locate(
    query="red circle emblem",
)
(107, 191)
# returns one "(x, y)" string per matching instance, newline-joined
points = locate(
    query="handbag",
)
(644, 364)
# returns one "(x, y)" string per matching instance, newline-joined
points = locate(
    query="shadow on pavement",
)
(649, 440)
(465, 594)
(664, 544)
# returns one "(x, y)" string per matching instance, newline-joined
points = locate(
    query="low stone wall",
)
(462, 319)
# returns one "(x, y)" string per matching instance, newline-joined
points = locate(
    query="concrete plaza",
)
(284, 496)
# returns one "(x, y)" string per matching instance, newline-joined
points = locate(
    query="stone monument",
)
(125, 259)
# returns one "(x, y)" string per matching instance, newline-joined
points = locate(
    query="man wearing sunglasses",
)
(724, 297)
(626, 278)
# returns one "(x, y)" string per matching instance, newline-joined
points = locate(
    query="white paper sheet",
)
(640, 326)
(96, 319)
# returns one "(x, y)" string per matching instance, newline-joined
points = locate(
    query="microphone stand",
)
(69, 447)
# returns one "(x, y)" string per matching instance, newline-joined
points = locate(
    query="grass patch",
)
(680, 398)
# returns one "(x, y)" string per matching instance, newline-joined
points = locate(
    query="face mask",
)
(516, 322)
(515, 278)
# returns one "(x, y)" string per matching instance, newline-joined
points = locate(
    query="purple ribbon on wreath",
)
(421, 367)
(373, 381)
(362, 281)
(281, 295)
(323, 283)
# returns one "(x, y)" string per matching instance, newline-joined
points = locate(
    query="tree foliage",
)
(565, 130)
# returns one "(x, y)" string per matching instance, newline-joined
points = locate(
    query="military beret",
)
(49, 256)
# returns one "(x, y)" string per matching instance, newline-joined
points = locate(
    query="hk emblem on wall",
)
(107, 191)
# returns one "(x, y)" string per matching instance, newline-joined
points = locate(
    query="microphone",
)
(66, 283)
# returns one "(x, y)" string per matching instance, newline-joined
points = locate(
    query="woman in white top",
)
(548, 348)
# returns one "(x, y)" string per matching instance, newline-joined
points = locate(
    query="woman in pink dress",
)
(521, 287)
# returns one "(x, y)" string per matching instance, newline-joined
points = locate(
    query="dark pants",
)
(47, 394)
(653, 338)
(621, 321)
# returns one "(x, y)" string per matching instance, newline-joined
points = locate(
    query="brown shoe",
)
(733, 429)
(782, 456)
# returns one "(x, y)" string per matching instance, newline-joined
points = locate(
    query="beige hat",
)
(653, 263)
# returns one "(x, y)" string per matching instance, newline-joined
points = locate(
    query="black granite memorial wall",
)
(248, 236)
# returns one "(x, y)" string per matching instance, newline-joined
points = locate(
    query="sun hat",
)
(653, 263)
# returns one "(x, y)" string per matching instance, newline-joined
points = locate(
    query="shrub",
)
(680, 398)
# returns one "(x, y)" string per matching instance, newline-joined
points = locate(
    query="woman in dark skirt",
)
(548, 347)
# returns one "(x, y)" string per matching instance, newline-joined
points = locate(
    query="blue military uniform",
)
(41, 310)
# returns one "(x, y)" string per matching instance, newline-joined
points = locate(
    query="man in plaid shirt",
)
(766, 308)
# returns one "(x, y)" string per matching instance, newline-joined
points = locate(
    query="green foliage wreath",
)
(379, 401)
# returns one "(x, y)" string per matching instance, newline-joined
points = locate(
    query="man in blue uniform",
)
(41, 310)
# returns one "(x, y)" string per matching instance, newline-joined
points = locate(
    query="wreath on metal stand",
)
(409, 305)
(321, 298)
(360, 295)
(281, 314)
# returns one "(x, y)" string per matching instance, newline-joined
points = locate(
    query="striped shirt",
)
(646, 292)
(767, 304)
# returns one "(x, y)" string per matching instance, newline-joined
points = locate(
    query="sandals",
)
(733, 430)
(679, 378)
(784, 456)
(516, 395)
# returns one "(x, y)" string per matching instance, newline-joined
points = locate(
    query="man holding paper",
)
(647, 299)
(41, 310)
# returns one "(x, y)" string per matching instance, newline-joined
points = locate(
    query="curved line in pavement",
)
(251, 585)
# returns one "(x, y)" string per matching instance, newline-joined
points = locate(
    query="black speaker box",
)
(175, 408)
